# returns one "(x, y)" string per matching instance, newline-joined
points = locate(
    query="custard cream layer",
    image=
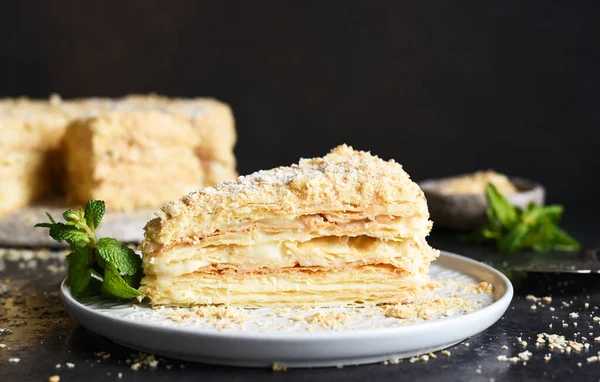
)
(330, 252)
(298, 286)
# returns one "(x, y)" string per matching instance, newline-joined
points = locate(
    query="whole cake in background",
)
(342, 229)
(133, 152)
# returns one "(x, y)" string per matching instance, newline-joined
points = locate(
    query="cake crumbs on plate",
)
(330, 319)
(430, 308)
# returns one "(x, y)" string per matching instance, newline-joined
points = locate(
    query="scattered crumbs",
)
(547, 300)
(540, 340)
(525, 356)
(531, 297)
(586, 305)
(596, 319)
(597, 339)
(70, 365)
(504, 347)
(504, 358)
(564, 303)
(550, 326)
(466, 344)
(533, 307)
(431, 308)
(120, 375)
(136, 366)
(14, 360)
(431, 355)
(278, 367)
(54, 378)
(592, 359)
(547, 357)
(57, 366)
(424, 358)
(574, 315)
(552, 309)
(478, 371)
(329, 319)
(446, 353)
(2, 346)
(579, 364)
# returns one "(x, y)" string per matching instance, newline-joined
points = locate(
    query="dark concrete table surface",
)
(35, 328)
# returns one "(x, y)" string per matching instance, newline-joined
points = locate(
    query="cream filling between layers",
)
(333, 287)
(409, 255)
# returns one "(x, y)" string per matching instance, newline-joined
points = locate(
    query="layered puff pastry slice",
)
(347, 228)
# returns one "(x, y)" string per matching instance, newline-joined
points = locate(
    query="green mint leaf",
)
(561, 240)
(501, 208)
(72, 235)
(79, 273)
(134, 280)
(122, 257)
(44, 225)
(513, 240)
(71, 217)
(51, 218)
(115, 286)
(552, 213)
(494, 224)
(94, 212)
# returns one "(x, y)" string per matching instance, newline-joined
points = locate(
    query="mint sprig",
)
(96, 266)
(514, 229)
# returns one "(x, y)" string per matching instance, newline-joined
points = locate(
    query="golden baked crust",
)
(312, 233)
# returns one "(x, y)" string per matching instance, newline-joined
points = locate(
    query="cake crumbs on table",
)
(278, 367)
(446, 353)
(54, 378)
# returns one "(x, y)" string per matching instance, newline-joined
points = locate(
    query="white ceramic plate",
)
(273, 335)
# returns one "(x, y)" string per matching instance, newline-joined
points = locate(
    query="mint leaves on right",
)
(96, 266)
(513, 228)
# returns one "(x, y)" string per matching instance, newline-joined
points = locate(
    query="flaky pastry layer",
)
(345, 183)
(410, 255)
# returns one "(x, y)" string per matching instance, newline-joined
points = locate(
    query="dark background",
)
(442, 88)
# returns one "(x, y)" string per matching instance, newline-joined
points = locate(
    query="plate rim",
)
(503, 301)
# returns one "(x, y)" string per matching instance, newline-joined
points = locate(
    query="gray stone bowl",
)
(465, 212)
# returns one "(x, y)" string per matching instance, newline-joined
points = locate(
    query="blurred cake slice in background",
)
(33, 163)
(131, 160)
